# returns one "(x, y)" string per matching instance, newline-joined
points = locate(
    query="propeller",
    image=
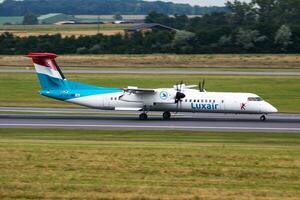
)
(179, 94)
(201, 85)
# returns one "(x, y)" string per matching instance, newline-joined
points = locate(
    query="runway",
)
(155, 71)
(184, 121)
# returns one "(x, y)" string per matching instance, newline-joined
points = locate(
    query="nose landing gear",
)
(263, 118)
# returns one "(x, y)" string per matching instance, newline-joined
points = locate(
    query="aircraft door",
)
(107, 101)
(101, 101)
(222, 104)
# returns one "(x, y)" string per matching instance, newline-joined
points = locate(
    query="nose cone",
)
(269, 108)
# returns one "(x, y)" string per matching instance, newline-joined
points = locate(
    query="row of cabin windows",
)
(200, 101)
(186, 100)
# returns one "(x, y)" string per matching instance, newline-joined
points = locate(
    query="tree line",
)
(99, 7)
(157, 41)
(262, 26)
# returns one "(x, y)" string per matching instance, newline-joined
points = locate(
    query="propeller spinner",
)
(179, 95)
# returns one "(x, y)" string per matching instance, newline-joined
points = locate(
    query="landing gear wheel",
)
(167, 115)
(263, 118)
(143, 116)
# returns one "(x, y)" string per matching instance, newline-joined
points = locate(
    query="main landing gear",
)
(263, 118)
(167, 115)
(143, 116)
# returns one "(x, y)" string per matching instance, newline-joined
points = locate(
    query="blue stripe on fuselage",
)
(72, 94)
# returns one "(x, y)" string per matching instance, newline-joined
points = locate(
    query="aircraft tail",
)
(48, 72)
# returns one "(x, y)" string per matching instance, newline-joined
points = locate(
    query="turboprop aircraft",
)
(180, 98)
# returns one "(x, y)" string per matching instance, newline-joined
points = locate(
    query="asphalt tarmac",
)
(86, 119)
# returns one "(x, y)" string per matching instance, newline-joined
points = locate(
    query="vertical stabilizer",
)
(48, 72)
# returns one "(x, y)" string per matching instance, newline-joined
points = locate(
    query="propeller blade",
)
(201, 85)
(181, 83)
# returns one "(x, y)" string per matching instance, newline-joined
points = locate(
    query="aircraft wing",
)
(138, 90)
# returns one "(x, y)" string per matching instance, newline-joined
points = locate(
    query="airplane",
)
(179, 98)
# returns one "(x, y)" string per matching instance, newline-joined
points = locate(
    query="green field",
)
(75, 30)
(90, 164)
(204, 69)
(11, 20)
(281, 91)
(82, 18)
(171, 61)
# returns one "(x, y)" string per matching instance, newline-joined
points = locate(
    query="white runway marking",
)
(149, 127)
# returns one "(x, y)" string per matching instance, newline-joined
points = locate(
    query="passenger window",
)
(205, 100)
(198, 100)
(209, 101)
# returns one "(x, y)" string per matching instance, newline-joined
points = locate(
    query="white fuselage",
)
(180, 98)
(194, 101)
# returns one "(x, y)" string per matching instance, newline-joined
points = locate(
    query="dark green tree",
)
(30, 19)
(242, 13)
(155, 17)
(283, 37)
(100, 7)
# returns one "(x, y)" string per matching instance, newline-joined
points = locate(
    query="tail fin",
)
(49, 74)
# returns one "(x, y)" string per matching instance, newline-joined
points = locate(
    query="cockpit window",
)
(255, 99)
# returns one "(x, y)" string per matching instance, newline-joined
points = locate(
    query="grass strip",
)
(281, 91)
(103, 164)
